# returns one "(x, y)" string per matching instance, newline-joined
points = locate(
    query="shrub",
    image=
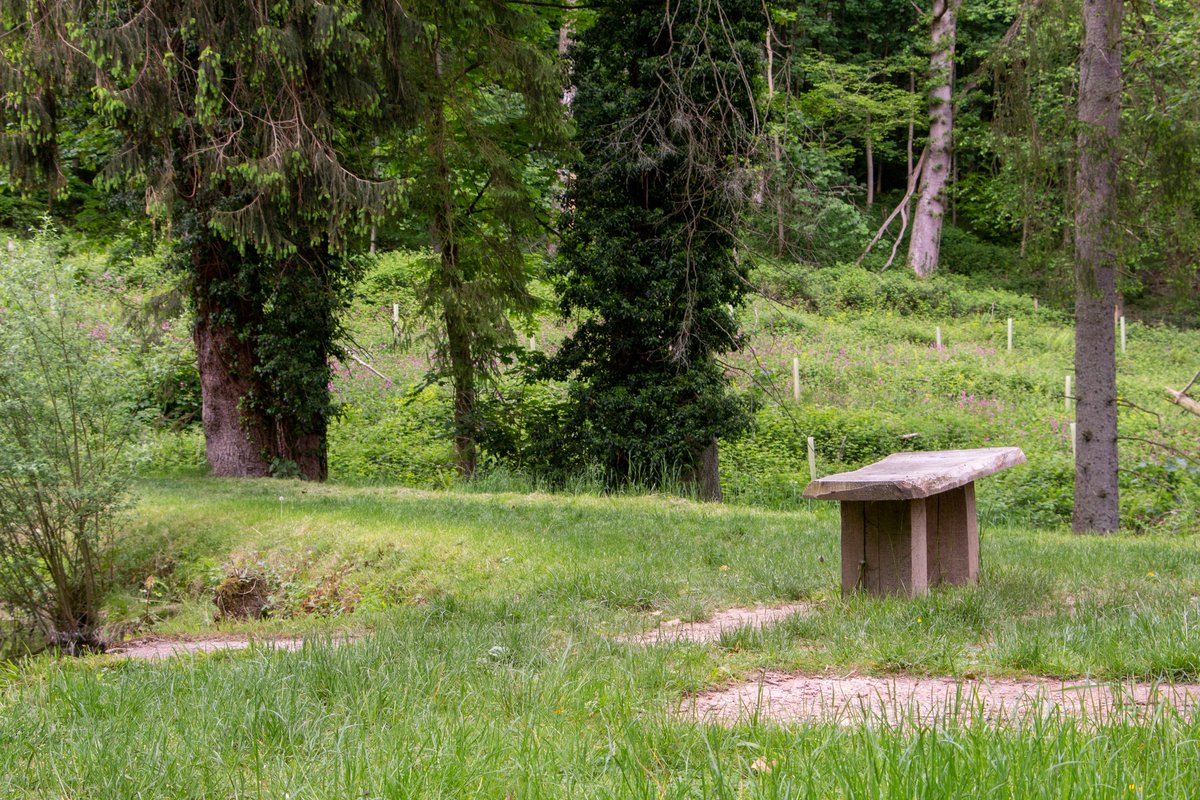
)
(65, 427)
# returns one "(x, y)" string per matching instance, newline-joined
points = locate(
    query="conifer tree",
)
(1096, 486)
(491, 126)
(247, 126)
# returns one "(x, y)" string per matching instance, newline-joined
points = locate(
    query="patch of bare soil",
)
(710, 630)
(153, 648)
(926, 701)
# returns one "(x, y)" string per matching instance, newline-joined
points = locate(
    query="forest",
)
(498, 333)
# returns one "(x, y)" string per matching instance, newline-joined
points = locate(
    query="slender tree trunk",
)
(912, 89)
(925, 244)
(462, 366)
(452, 287)
(870, 166)
(780, 213)
(1096, 488)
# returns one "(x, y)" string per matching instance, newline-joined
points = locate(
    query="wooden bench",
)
(908, 521)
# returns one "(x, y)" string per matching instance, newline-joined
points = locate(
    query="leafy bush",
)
(65, 426)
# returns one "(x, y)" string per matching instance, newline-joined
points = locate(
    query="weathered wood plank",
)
(854, 553)
(953, 537)
(908, 476)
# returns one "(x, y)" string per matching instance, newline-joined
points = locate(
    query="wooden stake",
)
(395, 312)
(533, 343)
(796, 379)
(1010, 334)
(812, 459)
(1072, 440)
(1122, 334)
(1035, 306)
(1067, 394)
(938, 334)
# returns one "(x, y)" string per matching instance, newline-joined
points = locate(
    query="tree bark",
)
(925, 244)
(1096, 488)
(870, 166)
(706, 475)
(240, 441)
(235, 440)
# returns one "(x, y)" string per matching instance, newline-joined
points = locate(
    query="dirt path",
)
(152, 648)
(854, 699)
(675, 630)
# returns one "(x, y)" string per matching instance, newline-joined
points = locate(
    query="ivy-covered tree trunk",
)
(925, 243)
(262, 354)
(1096, 487)
(666, 117)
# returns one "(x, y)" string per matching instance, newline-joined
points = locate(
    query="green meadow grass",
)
(478, 629)
(486, 662)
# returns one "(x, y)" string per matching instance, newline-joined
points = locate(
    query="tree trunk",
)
(870, 166)
(451, 284)
(1096, 489)
(240, 441)
(706, 475)
(925, 244)
(781, 244)
(912, 90)
(462, 377)
(235, 440)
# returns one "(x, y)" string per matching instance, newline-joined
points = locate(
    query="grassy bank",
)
(492, 668)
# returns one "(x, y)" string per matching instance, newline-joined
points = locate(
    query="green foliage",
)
(385, 436)
(395, 277)
(845, 287)
(66, 423)
(647, 266)
(482, 177)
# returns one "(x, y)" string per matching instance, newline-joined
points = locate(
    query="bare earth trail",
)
(710, 630)
(853, 699)
(154, 648)
(846, 699)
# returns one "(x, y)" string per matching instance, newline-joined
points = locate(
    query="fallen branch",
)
(1184, 390)
(1183, 401)
(901, 206)
(368, 366)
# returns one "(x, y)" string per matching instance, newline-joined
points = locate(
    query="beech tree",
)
(247, 126)
(925, 243)
(665, 110)
(1096, 487)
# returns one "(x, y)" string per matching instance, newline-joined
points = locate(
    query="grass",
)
(485, 659)
(872, 382)
(492, 669)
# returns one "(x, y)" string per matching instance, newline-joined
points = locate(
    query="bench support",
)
(906, 546)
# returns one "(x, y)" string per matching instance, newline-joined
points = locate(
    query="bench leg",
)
(884, 547)
(953, 536)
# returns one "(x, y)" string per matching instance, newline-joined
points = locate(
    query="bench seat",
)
(909, 521)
